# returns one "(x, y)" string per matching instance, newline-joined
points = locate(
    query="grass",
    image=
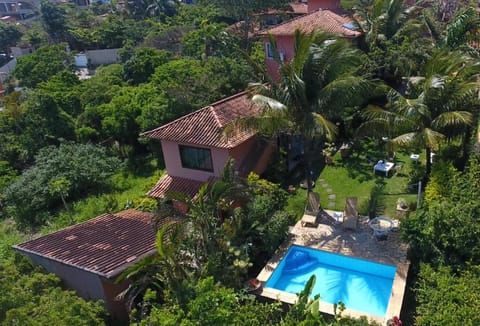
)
(353, 176)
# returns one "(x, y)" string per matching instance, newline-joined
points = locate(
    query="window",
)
(268, 50)
(196, 158)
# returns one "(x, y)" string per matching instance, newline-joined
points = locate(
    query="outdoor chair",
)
(312, 209)
(350, 216)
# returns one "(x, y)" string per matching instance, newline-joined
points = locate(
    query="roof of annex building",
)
(177, 184)
(105, 245)
(324, 20)
(203, 127)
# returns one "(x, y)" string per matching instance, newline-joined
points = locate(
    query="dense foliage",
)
(43, 64)
(69, 170)
(448, 298)
(28, 296)
(176, 58)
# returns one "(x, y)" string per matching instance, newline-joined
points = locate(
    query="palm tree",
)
(164, 269)
(382, 20)
(460, 32)
(214, 201)
(315, 85)
(436, 106)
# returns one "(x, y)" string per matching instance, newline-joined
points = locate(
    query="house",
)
(195, 151)
(323, 16)
(23, 9)
(89, 256)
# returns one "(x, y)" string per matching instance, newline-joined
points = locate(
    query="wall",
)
(284, 45)
(17, 51)
(240, 152)
(102, 57)
(314, 5)
(7, 69)
(86, 284)
(115, 307)
(174, 167)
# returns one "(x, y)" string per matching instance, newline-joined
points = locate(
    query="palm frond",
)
(344, 91)
(452, 118)
(324, 127)
(432, 138)
(407, 139)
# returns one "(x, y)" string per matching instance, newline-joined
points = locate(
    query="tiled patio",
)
(360, 243)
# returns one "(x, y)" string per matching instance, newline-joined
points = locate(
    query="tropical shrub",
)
(447, 298)
(69, 170)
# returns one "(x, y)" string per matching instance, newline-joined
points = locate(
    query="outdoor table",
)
(383, 166)
(381, 226)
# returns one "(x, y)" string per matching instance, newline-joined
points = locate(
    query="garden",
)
(353, 175)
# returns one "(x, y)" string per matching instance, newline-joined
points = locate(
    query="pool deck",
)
(360, 243)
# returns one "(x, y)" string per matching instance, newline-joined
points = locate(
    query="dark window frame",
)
(268, 50)
(201, 153)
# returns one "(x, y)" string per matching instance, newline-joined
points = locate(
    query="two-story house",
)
(323, 15)
(195, 151)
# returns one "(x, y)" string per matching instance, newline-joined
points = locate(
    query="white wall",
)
(102, 57)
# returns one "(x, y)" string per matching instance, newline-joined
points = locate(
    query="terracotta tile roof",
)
(169, 183)
(203, 127)
(105, 245)
(324, 20)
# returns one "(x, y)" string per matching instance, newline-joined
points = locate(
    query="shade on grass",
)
(353, 176)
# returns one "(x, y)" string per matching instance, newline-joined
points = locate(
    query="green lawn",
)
(353, 176)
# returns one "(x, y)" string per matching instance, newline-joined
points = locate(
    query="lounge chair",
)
(350, 216)
(311, 210)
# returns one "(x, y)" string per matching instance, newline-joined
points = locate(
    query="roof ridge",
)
(291, 20)
(210, 106)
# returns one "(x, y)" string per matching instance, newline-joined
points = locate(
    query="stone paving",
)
(360, 243)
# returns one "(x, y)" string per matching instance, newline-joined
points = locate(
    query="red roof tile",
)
(203, 127)
(105, 245)
(324, 20)
(169, 183)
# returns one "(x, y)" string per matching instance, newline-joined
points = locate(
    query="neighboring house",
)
(89, 256)
(328, 19)
(19, 9)
(195, 152)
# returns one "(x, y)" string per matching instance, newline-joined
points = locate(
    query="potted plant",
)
(328, 152)
(402, 207)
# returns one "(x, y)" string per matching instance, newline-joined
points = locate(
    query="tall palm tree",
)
(436, 106)
(163, 270)
(381, 20)
(460, 33)
(316, 84)
(214, 201)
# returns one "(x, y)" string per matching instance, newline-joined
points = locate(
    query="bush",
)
(448, 299)
(70, 170)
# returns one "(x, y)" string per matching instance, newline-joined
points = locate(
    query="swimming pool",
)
(360, 284)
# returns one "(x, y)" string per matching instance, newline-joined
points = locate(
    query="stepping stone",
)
(332, 197)
(321, 180)
(331, 204)
(324, 185)
(329, 190)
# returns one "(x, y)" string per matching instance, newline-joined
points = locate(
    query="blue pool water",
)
(360, 284)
